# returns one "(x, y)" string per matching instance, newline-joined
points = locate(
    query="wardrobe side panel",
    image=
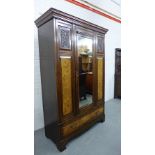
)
(48, 72)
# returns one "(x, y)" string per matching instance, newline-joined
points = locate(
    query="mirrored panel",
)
(85, 56)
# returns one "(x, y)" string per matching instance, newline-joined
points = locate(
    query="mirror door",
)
(85, 53)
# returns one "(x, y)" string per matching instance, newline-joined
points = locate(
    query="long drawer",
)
(70, 128)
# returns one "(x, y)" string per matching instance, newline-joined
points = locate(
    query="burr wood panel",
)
(100, 77)
(66, 84)
(68, 129)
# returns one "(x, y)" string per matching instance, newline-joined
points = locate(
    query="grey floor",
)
(101, 139)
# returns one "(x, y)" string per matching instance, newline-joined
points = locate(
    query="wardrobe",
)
(72, 60)
(117, 90)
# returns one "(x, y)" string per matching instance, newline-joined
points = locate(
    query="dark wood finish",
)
(89, 82)
(54, 13)
(60, 74)
(117, 93)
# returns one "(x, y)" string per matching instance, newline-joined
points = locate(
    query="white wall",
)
(112, 41)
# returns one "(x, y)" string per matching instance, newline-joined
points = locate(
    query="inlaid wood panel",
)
(70, 128)
(100, 77)
(66, 84)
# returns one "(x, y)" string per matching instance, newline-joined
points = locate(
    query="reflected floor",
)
(86, 101)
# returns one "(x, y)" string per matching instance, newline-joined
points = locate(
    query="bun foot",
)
(61, 147)
(102, 120)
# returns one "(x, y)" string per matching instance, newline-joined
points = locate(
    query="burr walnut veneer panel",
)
(100, 77)
(66, 85)
(70, 128)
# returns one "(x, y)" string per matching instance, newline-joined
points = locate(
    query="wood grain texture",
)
(70, 128)
(100, 77)
(66, 85)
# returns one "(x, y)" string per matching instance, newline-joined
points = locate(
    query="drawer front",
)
(70, 128)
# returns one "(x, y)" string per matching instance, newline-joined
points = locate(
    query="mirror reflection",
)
(85, 55)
